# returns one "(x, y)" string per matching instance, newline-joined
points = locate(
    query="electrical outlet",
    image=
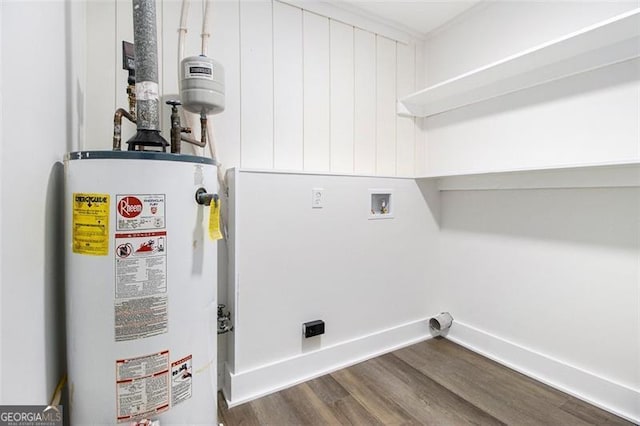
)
(313, 328)
(317, 198)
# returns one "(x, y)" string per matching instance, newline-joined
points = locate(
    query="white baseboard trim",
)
(604, 393)
(244, 386)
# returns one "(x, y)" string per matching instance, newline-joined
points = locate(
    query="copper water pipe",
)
(203, 134)
(117, 127)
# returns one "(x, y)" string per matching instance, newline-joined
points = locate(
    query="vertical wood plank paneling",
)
(256, 81)
(420, 123)
(386, 107)
(405, 126)
(288, 87)
(169, 82)
(171, 10)
(341, 97)
(316, 93)
(124, 31)
(101, 73)
(193, 47)
(171, 20)
(302, 91)
(225, 47)
(364, 102)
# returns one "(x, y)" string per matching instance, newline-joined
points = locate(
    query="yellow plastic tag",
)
(214, 220)
(90, 232)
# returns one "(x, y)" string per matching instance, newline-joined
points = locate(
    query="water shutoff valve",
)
(224, 320)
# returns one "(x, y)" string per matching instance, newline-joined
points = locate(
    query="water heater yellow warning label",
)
(90, 227)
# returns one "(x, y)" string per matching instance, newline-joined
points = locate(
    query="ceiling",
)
(419, 16)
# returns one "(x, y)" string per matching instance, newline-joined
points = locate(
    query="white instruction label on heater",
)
(141, 305)
(139, 212)
(142, 386)
(141, 264)
(147, 91)
(181, 380)
(141, 317)
(198, 69)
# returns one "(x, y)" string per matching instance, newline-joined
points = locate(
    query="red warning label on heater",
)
(140, 212)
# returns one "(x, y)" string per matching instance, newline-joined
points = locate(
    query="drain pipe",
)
(147, 93)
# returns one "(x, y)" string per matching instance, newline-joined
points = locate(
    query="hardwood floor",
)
(431, 383)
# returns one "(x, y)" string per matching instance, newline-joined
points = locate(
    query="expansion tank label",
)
(181, 380)
(198, 69)
(140, 212)
(141, 304)
(90, 226)
(142, 386)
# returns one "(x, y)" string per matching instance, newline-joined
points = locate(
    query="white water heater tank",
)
(141, 288)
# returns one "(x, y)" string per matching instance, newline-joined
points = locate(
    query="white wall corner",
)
(596, 390)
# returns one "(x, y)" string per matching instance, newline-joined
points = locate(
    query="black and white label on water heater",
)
(141, 264)
(141, 303)
(181, 380)
(142, 386)
(198, 69)
(141, 317)
(138, 212)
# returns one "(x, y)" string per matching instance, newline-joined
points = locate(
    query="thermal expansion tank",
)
(141, 288)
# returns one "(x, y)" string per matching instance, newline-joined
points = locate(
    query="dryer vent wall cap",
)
(441, 322)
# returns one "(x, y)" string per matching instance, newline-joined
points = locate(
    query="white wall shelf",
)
(613, 174)
(605, 43)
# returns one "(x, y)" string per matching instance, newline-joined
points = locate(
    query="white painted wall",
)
(591, 117)
(492, 31)
(369, 280)
(305, 90)
(547, 280)
(555, 271)
(39, 81)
